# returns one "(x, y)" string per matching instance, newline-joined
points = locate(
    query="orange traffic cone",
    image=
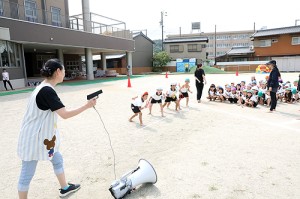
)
(129, 84)
(166, 74)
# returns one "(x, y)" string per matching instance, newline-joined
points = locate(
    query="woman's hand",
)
(91, 103)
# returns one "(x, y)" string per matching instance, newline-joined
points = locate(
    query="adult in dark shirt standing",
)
(200, 80)
(273, 83)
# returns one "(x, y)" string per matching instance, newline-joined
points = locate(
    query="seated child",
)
(251, 99)
(234, 97)
(227, 92)
(288, 96)
(212, 93)
(267, 98)
(220, 94)
(242, 98)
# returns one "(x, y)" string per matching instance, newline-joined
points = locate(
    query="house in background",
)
(237, 54)
(220, 43)
(141, 57)
(280, 44)
(33, 31)
(143, 53)
(185, 48)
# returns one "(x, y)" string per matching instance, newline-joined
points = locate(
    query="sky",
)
(230, 15)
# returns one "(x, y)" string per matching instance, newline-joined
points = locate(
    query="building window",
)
(194, 47)
(265, 43)
(55, 15)
(295, 40)
(30, 11)
(176, 48)
(1, 8)
(10, 54)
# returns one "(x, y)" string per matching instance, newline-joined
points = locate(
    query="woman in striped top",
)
(39, 137)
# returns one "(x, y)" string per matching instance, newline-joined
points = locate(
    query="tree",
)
(160, 60)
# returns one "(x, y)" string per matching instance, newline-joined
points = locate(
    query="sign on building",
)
(195, 25)
(185, 65)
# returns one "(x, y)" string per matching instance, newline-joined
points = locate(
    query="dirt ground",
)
(210, 150)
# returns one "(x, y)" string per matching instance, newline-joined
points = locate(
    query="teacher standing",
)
(200, 80)
(273, 83)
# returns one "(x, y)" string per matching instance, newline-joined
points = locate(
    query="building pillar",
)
(103, 61)
(89, 64)
(86, 15)
(60, 55)
(23, 64)
(129, 62)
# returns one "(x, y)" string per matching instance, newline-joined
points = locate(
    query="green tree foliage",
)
(160, 60)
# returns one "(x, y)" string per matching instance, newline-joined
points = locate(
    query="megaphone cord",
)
(109, 142)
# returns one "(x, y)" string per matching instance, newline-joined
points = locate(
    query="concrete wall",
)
(40, 33)
(143, 54)
(233, 68)
(16, 83)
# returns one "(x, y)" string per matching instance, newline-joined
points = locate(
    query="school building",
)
(33, 31)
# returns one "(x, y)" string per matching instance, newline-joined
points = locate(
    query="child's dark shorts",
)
(154, 101)
(171, 99)
(135, 109)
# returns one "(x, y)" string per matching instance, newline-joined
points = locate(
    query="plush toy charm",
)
(50, 145)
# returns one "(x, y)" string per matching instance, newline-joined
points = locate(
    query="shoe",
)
(72, 188)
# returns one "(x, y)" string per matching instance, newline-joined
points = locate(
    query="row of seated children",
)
(251, 95)
(234, 94)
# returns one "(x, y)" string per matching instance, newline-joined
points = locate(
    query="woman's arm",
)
(65, 114)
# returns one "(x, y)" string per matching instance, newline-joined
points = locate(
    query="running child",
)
(184, 89)
(136, 107)
(172, 97)
(156, 98)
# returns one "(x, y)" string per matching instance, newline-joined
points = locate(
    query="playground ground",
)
(210, 150)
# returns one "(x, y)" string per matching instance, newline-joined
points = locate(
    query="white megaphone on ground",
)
(144, 173)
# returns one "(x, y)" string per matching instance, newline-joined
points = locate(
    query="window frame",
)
(268, 43)
(33, 15)
(176, 49)
(298, 40)
(57, 14)
(194, 47)
(1, 8)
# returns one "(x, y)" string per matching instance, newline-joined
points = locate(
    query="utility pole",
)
(215, 44)
(162, 14)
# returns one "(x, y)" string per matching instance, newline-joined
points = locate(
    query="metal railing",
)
(98, 24)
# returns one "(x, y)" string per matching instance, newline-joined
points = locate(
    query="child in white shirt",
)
(157, 97)
(184, 89)
(136, 107)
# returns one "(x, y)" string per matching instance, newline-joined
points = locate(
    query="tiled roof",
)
(239, 51)
(184, 40)
(277, 31)
(134, 35)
